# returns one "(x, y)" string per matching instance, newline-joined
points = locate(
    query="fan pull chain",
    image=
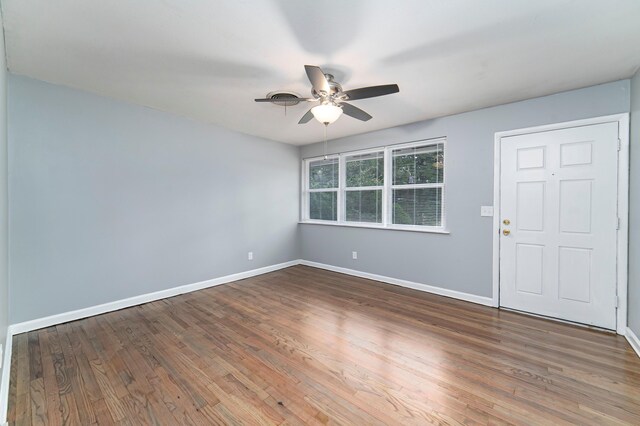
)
(325, 140)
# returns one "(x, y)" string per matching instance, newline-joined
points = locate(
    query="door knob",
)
(506, 232)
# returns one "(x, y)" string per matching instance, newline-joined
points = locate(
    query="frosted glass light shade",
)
(326, 113)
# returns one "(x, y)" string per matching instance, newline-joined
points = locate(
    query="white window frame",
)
(344, 188)
(391, 186)
(307, 191)
(387, 193)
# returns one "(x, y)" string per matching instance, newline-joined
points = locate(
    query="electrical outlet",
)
(354, 254)
(250, 255)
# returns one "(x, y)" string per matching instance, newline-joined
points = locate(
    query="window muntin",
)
(363, 189)
(397, 187)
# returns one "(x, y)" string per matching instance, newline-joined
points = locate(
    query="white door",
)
(559, 220)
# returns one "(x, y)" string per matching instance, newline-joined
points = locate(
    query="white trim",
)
(623, 215)
(418, 186)
(362, 188)
(6, 373)
(344, 158)
(565, 125)
(387, 205)
(36, 324)
(150, 297)
(323, 190)
(633, 340)
(372, 225)
(495, 230)
(481, 300)
(303, 191)
(623, 203)
(563, 321)
(377, 148)
(26, 326)
(340, 215)
(442, 185)
(387, 188)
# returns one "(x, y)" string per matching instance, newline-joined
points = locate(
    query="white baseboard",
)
(26, 326)
(4, 382)
(633, 340)
(482, 300)
(36, 324)
(150, 297)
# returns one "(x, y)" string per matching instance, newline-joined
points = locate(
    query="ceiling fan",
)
(333, 100)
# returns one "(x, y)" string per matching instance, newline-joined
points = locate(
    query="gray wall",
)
(110, 200)
(4, 195)
(634, 209)
(460, 261)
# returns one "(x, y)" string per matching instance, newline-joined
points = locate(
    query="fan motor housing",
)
(334, 86)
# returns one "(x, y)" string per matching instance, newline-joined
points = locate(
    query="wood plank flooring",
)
(307, 346)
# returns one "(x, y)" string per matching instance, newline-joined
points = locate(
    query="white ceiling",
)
(209, 59)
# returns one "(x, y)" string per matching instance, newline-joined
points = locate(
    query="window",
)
(364, 182)
(417, 186)
(323, 189)
(398, 187)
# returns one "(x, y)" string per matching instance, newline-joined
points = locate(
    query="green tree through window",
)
(323, 182)
(409, 193)
(418, 176)
(364, 182)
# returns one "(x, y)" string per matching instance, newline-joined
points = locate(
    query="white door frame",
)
(623, 204)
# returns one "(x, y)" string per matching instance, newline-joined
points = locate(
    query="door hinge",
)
(619, 144)
(618, 224)
(617, 301)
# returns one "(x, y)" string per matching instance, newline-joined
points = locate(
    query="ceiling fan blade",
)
(355, 112)
(306, 118)
(371, 91)
(317, 78)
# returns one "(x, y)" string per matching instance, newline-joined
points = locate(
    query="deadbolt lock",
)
(506, 222)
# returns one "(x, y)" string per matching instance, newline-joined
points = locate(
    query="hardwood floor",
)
(307, 346)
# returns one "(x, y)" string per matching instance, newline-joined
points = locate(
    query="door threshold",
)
(577, 324)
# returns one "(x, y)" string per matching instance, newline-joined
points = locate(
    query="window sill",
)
(371, 226)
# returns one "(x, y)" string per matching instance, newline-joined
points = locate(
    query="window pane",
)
(323, 205)
(365, 170)
(423, 164)
(323, 174)
(364, 206)
(421, 206)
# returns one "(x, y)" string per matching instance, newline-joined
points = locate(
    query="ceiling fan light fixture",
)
(326, 113)
(333, 100)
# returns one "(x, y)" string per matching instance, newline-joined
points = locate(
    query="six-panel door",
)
(558, 194)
